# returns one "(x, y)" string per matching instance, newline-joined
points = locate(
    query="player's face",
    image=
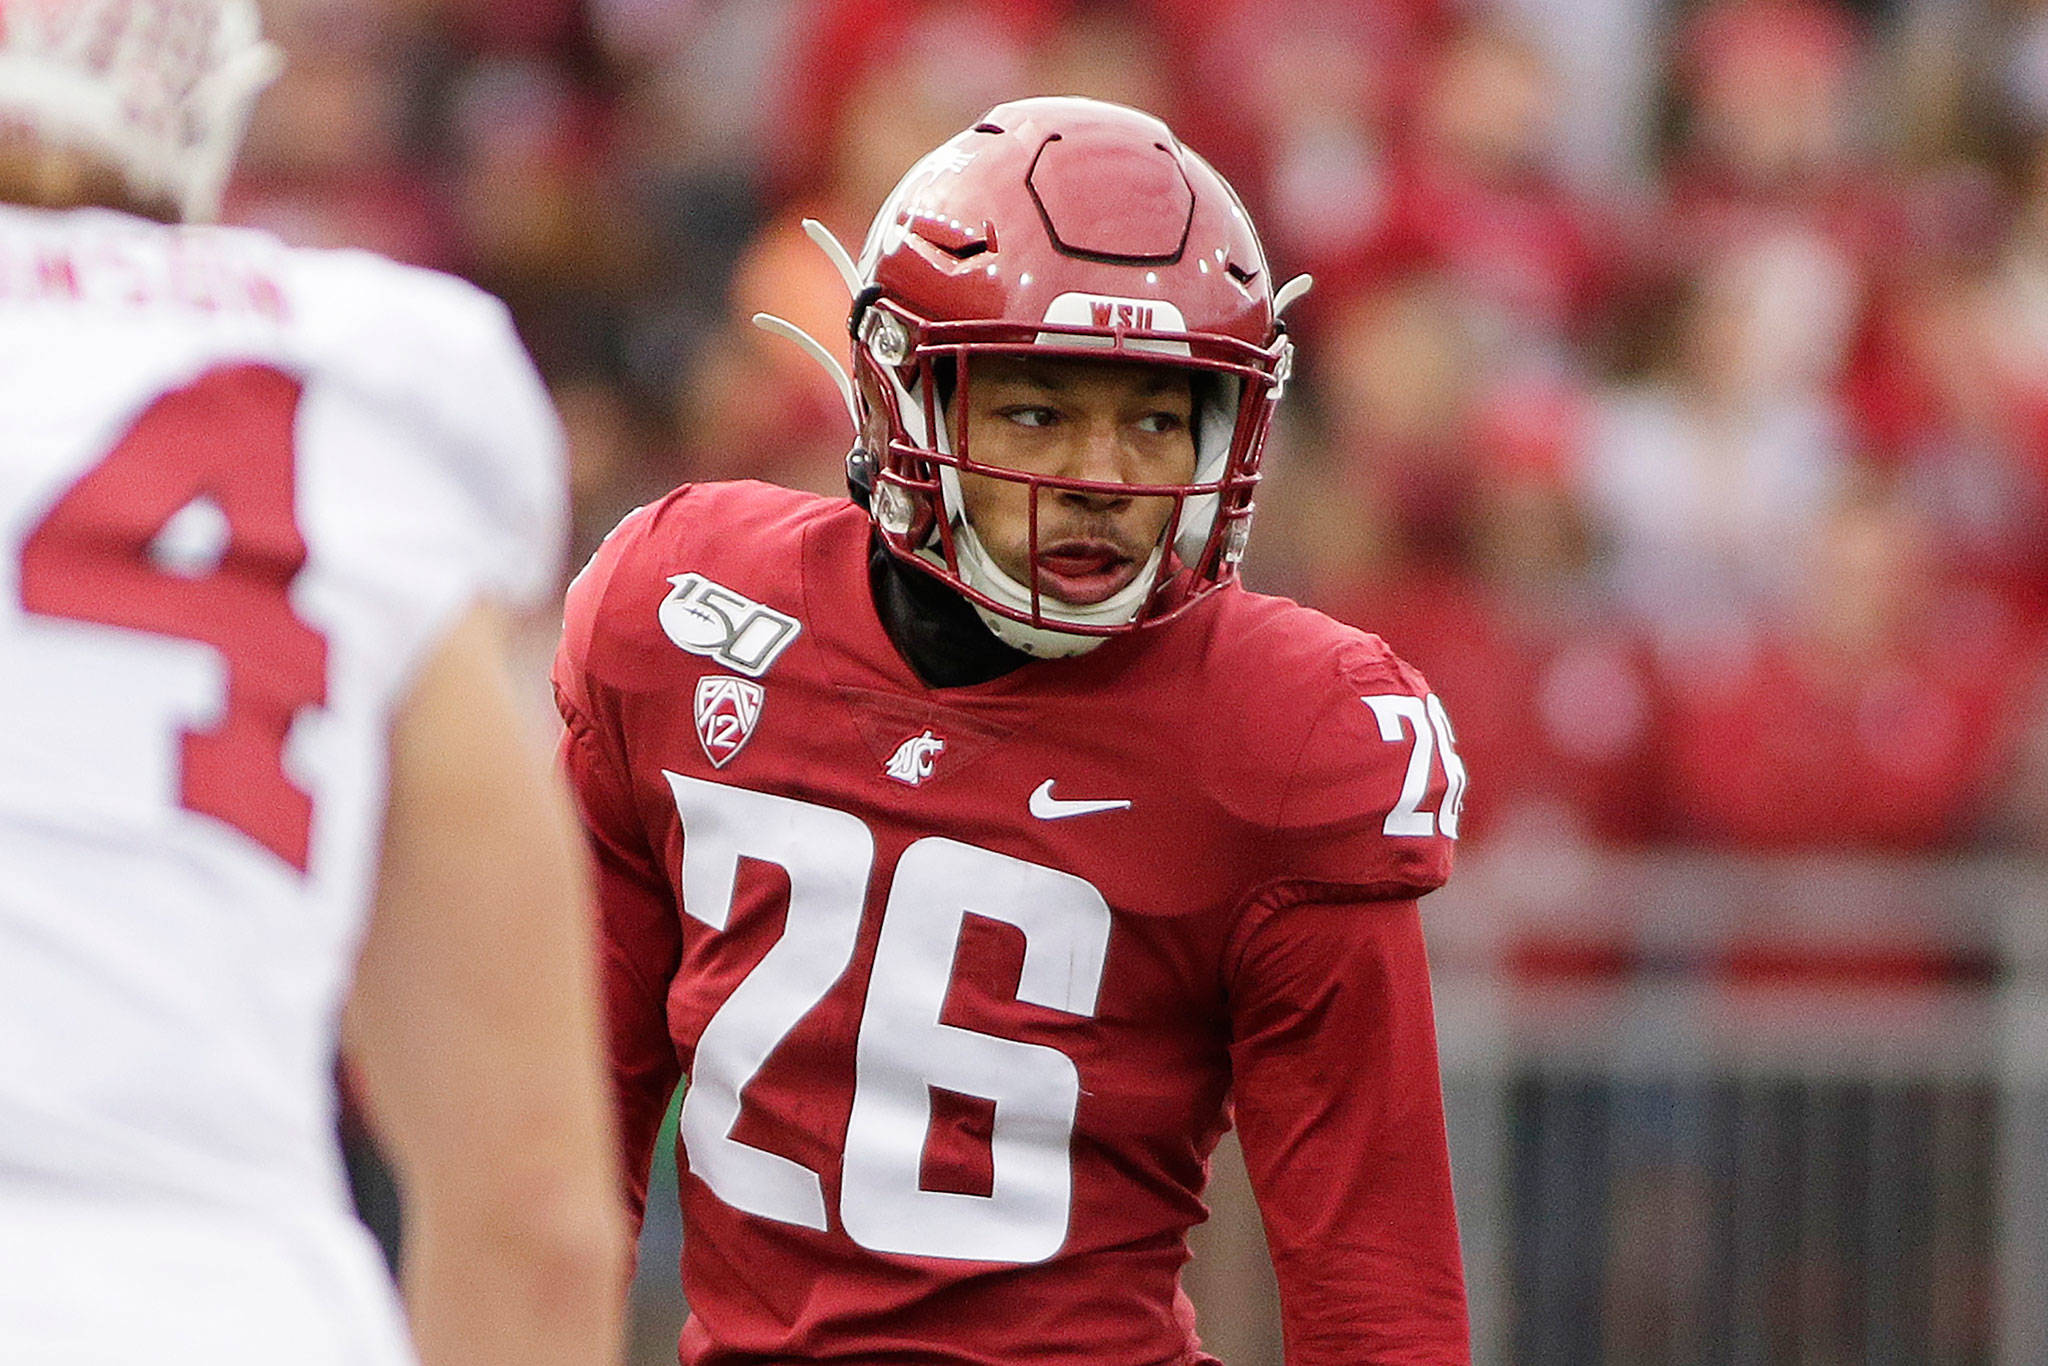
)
(1112, 422)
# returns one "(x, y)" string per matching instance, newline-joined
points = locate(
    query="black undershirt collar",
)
(935, 629)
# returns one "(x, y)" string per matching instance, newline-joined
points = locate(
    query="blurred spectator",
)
(1768, 142)
(1477, 197)
(1952, 396)
(690, 164)
(1874, 715)
(1604, 58)
(538, 213)
(1398, 377)
(1298, 103)
(329, 162)
(1766, 92)
(1704, 476)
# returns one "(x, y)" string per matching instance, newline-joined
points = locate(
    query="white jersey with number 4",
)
(243, 490)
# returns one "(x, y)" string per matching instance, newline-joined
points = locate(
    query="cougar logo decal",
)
(912, 762)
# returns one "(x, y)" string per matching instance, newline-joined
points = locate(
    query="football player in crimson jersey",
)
(258, 510)
(980, 850)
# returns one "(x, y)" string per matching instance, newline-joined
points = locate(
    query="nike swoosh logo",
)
(1047, 807)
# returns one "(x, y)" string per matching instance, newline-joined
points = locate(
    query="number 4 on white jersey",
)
(1401, 715)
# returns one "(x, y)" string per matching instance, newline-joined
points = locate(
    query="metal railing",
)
(1744, 1111)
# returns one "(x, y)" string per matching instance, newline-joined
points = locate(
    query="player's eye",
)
(1027, 415)
(1160, 423)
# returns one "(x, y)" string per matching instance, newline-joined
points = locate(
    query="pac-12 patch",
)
(728, 709)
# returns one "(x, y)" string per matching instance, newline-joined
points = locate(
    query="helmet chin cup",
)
(1047, 632)
(1040, 642)
(1034, 622)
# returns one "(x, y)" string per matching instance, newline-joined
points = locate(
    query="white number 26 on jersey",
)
(903, 1049)
(1400, 716)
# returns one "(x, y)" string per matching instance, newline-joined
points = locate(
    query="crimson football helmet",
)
(1082, 230)
(162, 88)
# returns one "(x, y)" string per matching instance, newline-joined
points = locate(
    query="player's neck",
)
(934, 628)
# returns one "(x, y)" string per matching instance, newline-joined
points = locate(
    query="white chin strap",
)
(979, 570)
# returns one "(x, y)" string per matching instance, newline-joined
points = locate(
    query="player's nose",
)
(1096, 453)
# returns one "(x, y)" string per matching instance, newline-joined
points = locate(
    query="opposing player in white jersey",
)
(257, 510)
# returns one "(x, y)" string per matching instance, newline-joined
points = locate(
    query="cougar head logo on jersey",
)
(1074, 230)
(912, 762)
(161, 88)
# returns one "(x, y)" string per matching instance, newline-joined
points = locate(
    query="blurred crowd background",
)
(1676, 379)
(1674, 393)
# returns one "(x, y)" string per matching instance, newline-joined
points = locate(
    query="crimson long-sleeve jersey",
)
(967, 982)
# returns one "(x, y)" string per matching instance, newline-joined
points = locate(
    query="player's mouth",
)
(1084, 572)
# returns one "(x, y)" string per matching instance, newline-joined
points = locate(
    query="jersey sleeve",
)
(511, 463)
(639, 937)
(1340, 1115)
(439, 361)
(1372, 801)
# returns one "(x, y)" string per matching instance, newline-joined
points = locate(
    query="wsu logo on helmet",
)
(1131, 315)
(728, 709)
(912, 762)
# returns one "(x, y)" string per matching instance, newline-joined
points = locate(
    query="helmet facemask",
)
(913, 368)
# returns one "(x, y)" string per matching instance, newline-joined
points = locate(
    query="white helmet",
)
(161, 88)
